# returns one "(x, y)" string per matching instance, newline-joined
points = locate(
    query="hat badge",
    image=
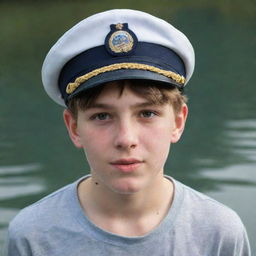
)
(120, 40)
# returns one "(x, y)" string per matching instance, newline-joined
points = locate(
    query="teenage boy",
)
(121, 74)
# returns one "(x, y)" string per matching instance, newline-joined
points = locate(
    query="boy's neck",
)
(130, 215)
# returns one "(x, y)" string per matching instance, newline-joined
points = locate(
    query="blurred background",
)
(217, 154)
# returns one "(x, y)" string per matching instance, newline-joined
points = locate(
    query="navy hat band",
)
(95, 61)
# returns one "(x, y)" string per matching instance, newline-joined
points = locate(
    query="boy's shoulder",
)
(200, 203)
(207, 214)
(49, 209)
(206, 226)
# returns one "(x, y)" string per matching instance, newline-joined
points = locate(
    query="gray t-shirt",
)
(195, 225)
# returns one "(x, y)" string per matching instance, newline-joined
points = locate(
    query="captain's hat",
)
(115, 45)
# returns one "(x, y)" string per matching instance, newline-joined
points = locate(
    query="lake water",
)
(217, 154)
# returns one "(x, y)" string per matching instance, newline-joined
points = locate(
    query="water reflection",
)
(242, 136)
(19, 169)
(239, 139)
(17, 182)
(233, 175)
(17, 187)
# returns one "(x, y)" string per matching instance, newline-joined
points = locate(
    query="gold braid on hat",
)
(71, 87)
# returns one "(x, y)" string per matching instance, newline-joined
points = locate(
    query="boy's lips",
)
(127, 161)
(127, 164)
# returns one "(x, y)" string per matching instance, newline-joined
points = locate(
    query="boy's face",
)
(125, 138)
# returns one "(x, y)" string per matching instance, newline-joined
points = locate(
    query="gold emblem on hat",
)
(121, 40)
(119, 26)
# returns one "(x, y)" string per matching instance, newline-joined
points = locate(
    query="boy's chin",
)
(127, 188)
(126, 191)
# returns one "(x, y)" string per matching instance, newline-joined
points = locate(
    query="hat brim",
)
(123, 74)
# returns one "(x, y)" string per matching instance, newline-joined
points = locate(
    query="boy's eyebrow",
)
(98, 105)
(145, 104)
(109, 106)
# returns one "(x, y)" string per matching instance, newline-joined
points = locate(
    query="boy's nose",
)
(126, 136)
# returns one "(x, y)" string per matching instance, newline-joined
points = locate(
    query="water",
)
(217, 154)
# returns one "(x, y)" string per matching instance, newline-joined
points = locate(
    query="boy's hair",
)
(154, 92)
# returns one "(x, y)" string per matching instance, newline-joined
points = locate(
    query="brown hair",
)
(154, 92)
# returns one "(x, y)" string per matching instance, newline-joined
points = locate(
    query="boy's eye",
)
(100, 116)
(148, 114)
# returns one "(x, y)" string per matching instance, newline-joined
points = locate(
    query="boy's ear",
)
(180, 121)
(71, 124)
